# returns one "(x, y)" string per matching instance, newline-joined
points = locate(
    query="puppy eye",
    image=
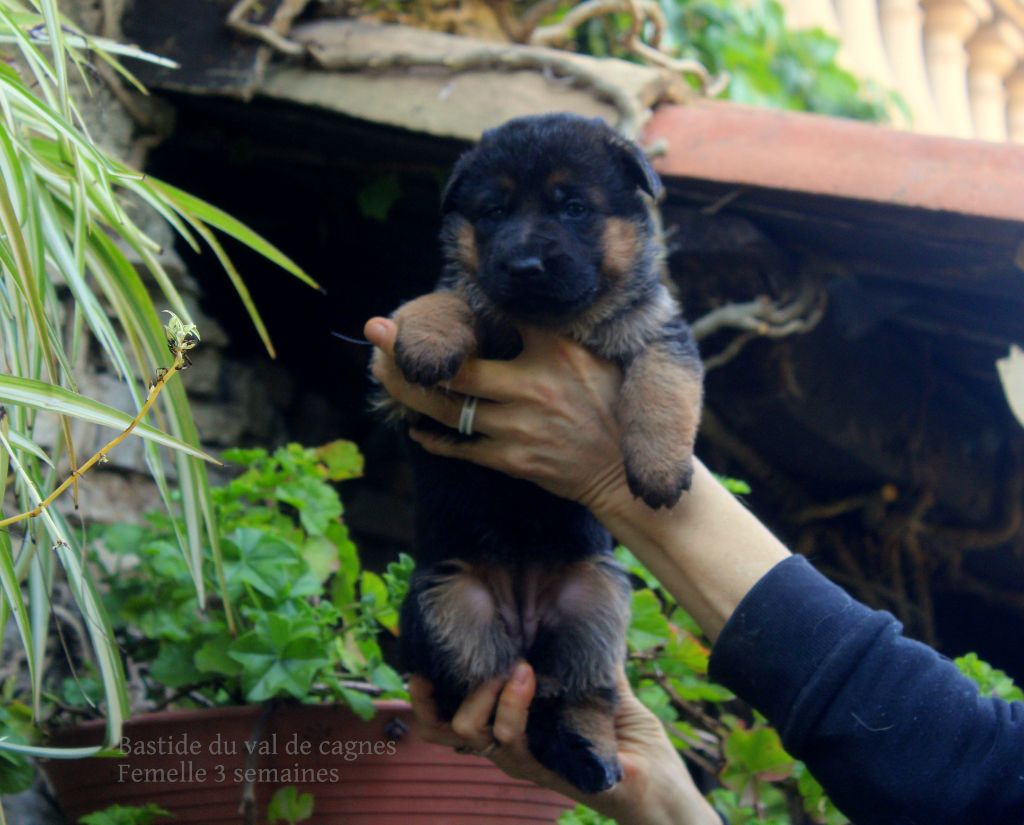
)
(494, 213)
(575, 209)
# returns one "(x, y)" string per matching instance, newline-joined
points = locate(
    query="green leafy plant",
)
(309, 616)
(991, 681)
(289, 806)
(767, 63)
(16, 772)
(70, 223)
(125, 815)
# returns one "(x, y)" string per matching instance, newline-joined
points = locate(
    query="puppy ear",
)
(451, 189)
(637, 166)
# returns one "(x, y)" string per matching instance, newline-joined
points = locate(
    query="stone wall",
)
(233, 401)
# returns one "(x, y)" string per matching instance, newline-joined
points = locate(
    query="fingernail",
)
(521, 675)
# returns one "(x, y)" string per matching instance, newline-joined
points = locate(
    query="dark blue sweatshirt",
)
(891, 729)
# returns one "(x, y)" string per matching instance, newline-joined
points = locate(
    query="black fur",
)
(526, 220)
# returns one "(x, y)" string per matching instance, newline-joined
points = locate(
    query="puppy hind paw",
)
(575, 759)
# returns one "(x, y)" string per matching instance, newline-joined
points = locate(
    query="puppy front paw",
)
(430, 360)
(658, 478)
(436, 334)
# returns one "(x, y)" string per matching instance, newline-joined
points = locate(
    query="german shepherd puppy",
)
(547, 222)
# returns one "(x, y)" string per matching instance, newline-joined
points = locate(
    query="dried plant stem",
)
(101, 454)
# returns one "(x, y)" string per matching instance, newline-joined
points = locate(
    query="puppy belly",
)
(481, 516)
(482, 618)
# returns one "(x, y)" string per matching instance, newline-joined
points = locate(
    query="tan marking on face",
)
(506, 182)
(466, 250)
(557, 178)
(621, 245)
(597, 197)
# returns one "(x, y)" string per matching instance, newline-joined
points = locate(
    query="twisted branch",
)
(641, 13)
(632, 115)
(274, 33)
(763, 318)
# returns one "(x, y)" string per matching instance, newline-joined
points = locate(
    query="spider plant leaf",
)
(125, 290)
(40, 585)
(12, 598)
(43, 396)
(190, 205)
(55, 32)
(27, 445)
(40, 752)
(239, 284)
(64, 258)
(132, 303)
(108, 658)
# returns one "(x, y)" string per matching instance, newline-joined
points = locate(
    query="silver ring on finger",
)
(489, 749)
(467, 415)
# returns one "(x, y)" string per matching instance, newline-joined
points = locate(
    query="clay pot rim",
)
(199, 714)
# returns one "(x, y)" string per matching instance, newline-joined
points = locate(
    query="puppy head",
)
(547, 214)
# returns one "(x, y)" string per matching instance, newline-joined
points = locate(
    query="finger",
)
(509, 731)
(381, 332)
(484, 451)
(430, 726)
(494, 380)
(509, 728)
(472, 721)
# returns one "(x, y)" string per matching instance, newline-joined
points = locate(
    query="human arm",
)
(891, 729)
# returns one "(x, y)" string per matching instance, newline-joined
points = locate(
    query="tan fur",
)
(594, 720)
(659, 410)
(607, 331)
(465, 249)
(436, 333)
(597, 197)
(622, 243)
(463, 612)
(557, 178)
(487, 615)
(591, 612)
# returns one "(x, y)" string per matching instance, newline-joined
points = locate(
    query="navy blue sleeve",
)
(891, 729)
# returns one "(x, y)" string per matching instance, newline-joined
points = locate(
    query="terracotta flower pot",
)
(196, 764)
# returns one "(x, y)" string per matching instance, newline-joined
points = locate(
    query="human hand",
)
(548, 416)
(656, 788)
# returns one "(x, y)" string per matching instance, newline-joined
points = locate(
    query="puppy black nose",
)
(525, 267)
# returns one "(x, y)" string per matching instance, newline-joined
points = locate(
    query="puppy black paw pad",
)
(427, 370)
(592, 774)
(574, 758)
(659, 491)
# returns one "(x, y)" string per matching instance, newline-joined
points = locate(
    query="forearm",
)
(708, 551)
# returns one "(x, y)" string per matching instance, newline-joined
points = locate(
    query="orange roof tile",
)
(741, 145)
